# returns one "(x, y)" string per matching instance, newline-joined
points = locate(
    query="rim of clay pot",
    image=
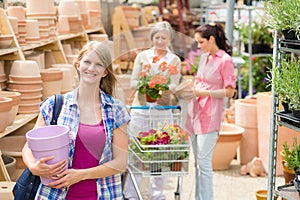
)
(51, 75)
(21, 91)
(16, 96)
(32, 97)
(25, 83)
(6, 104)
(248, 101)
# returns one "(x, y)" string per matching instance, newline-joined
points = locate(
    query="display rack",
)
(290, 192)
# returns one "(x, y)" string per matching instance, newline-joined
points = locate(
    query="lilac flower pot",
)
(49, 141)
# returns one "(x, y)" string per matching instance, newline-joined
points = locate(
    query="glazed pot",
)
(226, 146)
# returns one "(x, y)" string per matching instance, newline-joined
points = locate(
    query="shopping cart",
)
(158, 159)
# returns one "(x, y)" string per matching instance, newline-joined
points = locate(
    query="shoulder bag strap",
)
(57, 108)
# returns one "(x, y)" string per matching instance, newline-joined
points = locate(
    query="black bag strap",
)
(57, 108)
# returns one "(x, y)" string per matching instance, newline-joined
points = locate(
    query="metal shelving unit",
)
(288, 192)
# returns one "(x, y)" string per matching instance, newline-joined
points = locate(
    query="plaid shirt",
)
(114, 114)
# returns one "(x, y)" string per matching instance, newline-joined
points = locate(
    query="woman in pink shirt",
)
(215, 80)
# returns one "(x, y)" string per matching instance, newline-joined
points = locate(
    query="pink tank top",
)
(89, 145)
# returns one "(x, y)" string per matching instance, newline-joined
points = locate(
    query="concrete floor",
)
(228, 184)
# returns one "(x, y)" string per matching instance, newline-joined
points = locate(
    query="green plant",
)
(283, 15)
(260, 33)
(286, 81)
(260, 72)
(292, 156)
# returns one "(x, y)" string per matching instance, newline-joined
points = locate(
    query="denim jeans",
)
(203, 148)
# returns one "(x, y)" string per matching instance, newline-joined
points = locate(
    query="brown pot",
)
(12, 146)
(16, 99)
(51, 75)
(176, 166)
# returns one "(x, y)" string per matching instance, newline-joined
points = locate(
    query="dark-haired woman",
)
(215, 80)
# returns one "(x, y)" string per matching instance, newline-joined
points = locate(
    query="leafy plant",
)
(261, 34)
(283, 15)
(292, 156)
(286, 80)
(260, 72)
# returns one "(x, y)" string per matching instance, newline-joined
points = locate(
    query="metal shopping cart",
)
(153, 155)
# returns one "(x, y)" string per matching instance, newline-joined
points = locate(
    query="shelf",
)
(34, 46)
(101, 30)
(289, 193)
(285, 49)
(20, 120)
(8, 51)
(70, 36)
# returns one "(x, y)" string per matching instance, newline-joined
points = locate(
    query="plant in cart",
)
(155, 84)
(172, 135)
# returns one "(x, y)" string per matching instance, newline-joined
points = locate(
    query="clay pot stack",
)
(19, 13)
(70, 77)
(94, 14)
(69, 13)
(5, 107)
(16, 99)
(44, 12)
(2, 78)
(32, 30)
(25, 78)
(52, 82)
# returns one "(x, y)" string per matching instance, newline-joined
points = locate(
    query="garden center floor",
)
(228, 184)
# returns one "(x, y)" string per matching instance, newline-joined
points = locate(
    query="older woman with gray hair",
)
(161, 35)
(98, 148)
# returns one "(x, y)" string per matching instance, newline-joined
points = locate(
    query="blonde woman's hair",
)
(107, 83)
(161, 26)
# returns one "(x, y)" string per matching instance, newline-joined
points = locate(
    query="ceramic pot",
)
(5, 108)
(40, 8)
(49, 141)
(98, 37)
(6, 41)
(52, 82)
(68, 8)
(16, 99)
(29, 108)
(19, 86)
(14, 23)
(226, 146)
(249, 142)
(10, 165)
(149, 99)
(16, 11)
(32, 30)
(25, 68)
(12, 146)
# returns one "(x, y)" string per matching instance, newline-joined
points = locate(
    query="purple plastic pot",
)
(49, 141)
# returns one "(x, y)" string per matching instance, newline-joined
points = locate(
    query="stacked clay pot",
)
(5, 107)
(44, 12)
(2, 78)
(25, 78)
(52, 82)
(19, 13)
(16, 99)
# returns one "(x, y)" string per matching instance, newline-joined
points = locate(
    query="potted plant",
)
(286, 83)
(292, 157)
(283, 16)
(261, 37)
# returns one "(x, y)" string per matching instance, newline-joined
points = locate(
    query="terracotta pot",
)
(98, 37)
(32, 30)
(16, 99)
(226, 146)
(93, 5)
(68, 8)
(6, 41)
(28, 93)
(25, 79)
(24, 86)
(25, 68)
(249, 142)
(149, 99)
(12, 146)
(31, 100)
(176, 166)
(16, 11)
(40, 7)
(10, 165)
(63, 26)
(14, 24)
(5, 108)
(29, 108)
